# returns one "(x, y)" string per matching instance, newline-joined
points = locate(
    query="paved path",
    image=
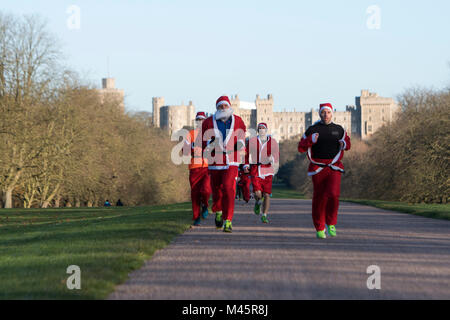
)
(284, 260)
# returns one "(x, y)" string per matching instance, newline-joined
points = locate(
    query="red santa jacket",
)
(261, 156)
(223, 153)
(330, 137)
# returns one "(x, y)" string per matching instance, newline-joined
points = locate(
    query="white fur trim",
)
(223, 102)
(331, 165)
(325, 107)
(227, 138)
(343, 140)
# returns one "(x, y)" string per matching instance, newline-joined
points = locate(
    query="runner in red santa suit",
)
(263, 158)
(198, 171)
(325, 143)
(244, 183)
(223, 141)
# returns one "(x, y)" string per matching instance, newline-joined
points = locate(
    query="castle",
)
(361, 120)
(109, 91)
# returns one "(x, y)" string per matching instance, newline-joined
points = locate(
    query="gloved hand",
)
(315, 137)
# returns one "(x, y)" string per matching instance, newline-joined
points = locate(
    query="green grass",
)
(436, 211)
(37, 246)
(283, 192)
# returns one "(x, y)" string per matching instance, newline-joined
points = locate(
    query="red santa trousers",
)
(223, 183)
(200, 189)
(325, 204)
(263, 185)
(244, 183)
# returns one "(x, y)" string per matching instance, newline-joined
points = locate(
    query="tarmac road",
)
(284, 260)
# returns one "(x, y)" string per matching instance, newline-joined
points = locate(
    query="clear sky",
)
(303, 53)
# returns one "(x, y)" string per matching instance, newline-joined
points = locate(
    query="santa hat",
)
(200, 116)
(325, 106)
(223, 100)
(262, 124)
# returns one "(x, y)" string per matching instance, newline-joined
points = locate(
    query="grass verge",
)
(37, 246)
(435, 211)
(283, 192)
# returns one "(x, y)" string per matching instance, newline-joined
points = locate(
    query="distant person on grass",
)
(325, 143)
(263, 158)
(119, 203)
(198, 171)
(107, 204)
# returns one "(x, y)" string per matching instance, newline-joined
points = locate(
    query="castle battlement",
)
(368, 114)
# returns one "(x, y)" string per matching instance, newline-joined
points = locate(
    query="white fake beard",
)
(224, 114)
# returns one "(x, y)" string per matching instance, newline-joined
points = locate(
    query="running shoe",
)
(257, 208)
(205, 212)
(264, 219)
(228, 227)
(197, 222)
(321, 234)
(219, 221)
(331, 231)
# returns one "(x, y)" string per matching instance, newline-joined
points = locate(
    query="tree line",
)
(405, 160)
(61, 144)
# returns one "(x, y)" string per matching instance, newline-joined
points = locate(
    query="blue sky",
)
(303, 53)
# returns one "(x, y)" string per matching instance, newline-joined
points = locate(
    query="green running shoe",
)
(321, 234)
(257, 208)
(219, 221)
(331, 231)
(264, 219)
(228, 227)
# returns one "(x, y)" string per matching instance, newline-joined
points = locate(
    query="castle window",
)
(291, 129)
(369, 127)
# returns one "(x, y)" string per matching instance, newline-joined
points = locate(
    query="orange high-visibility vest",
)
(197, 160)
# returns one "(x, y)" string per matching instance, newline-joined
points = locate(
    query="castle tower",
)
(108, 83)
(157, 103)
(235, 103)
(109, 92)
(374, 111)
(190, 114)
(264, 111)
